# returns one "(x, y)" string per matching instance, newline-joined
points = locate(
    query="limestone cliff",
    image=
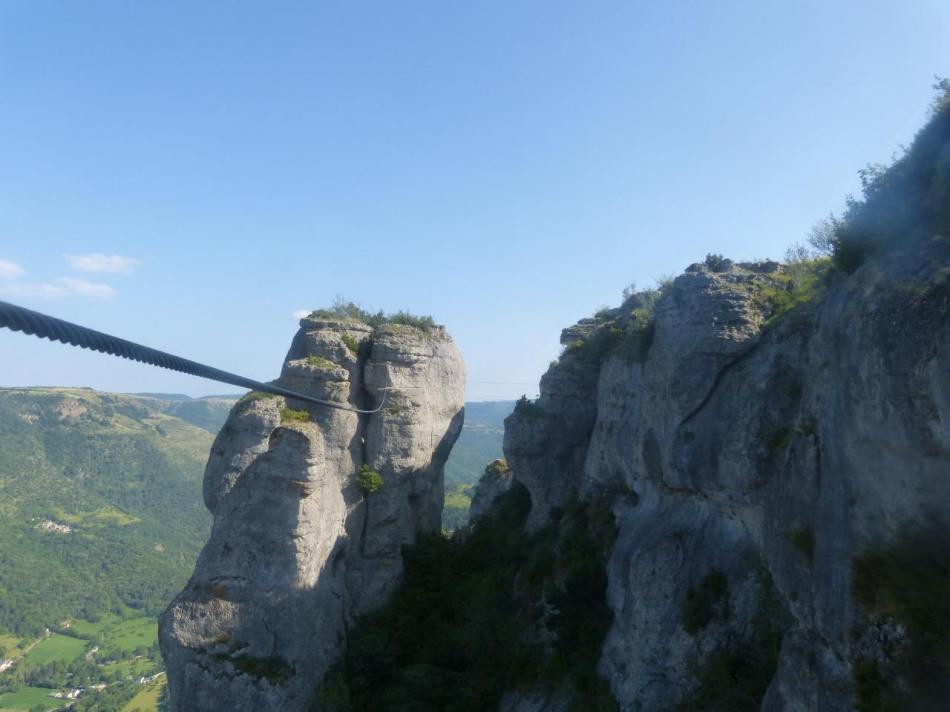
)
(752, 457)
(298, 548)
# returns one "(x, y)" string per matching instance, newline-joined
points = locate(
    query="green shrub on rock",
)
(528, 408)
(497, 467)
(320, 362)
(350, 311)
(289, 415)
(369, 479)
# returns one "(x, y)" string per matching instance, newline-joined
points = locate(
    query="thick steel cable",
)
(48, 327)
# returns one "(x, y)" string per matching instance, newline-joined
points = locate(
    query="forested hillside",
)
(209, 412)
(123, 474)
(101, 519)
(100, 497)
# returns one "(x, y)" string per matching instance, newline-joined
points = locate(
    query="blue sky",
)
(507, 166)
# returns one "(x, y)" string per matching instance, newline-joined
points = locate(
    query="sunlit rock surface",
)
(298, 549)
(753, 459)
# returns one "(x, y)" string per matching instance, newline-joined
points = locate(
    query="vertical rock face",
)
(756, 459)
(298, 549)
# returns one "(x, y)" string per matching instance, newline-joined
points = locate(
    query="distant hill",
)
(208, 413)
(479, 444)
(102, 519)
(100, 496)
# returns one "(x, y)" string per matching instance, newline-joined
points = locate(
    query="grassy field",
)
(131, 634)
(457, 501)
(132, 668)
(91, 630)
(27, 698)
(116, 638)
(102, 516)
(56, 647)
(112, 632)
(147, 699)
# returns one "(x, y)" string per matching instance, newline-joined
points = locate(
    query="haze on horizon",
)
(192, 176)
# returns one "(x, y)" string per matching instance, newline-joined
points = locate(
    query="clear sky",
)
(190, 174)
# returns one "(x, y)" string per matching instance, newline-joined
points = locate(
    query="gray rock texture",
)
(298, 549)
(763, 455)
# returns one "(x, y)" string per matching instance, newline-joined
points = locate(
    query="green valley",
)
(101, 520)
(478, 444)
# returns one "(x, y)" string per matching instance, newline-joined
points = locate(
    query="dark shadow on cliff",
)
(904, 589)
(498, 610)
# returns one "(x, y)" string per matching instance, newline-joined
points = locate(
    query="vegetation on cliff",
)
(736, 675)
(900, 203)
(368, 479)
(498, 610)
(473, 618)
(905, 586)
(346, 310)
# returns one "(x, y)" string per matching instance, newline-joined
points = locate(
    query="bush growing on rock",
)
(351, 343)
(289, 415)
(320, 362)
(497, 467)
(256, 396)
(802, 281)
(715, 262)
(369, 479)
(527, 407)
(900, 203)
(346, 310)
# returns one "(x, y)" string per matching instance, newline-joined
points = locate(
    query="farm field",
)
(26, 698)
(56, 647)
(117, 634)
(147, 699)
(131, 668)
(91, 630)
(131, 634)
(125, 650)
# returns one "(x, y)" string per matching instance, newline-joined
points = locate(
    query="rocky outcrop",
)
(494, 482)
(298, 548)
(752, 456)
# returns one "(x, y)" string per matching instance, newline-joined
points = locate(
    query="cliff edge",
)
(311, 509)
(755, 456)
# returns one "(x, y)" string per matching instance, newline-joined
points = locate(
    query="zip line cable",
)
(47, 327)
